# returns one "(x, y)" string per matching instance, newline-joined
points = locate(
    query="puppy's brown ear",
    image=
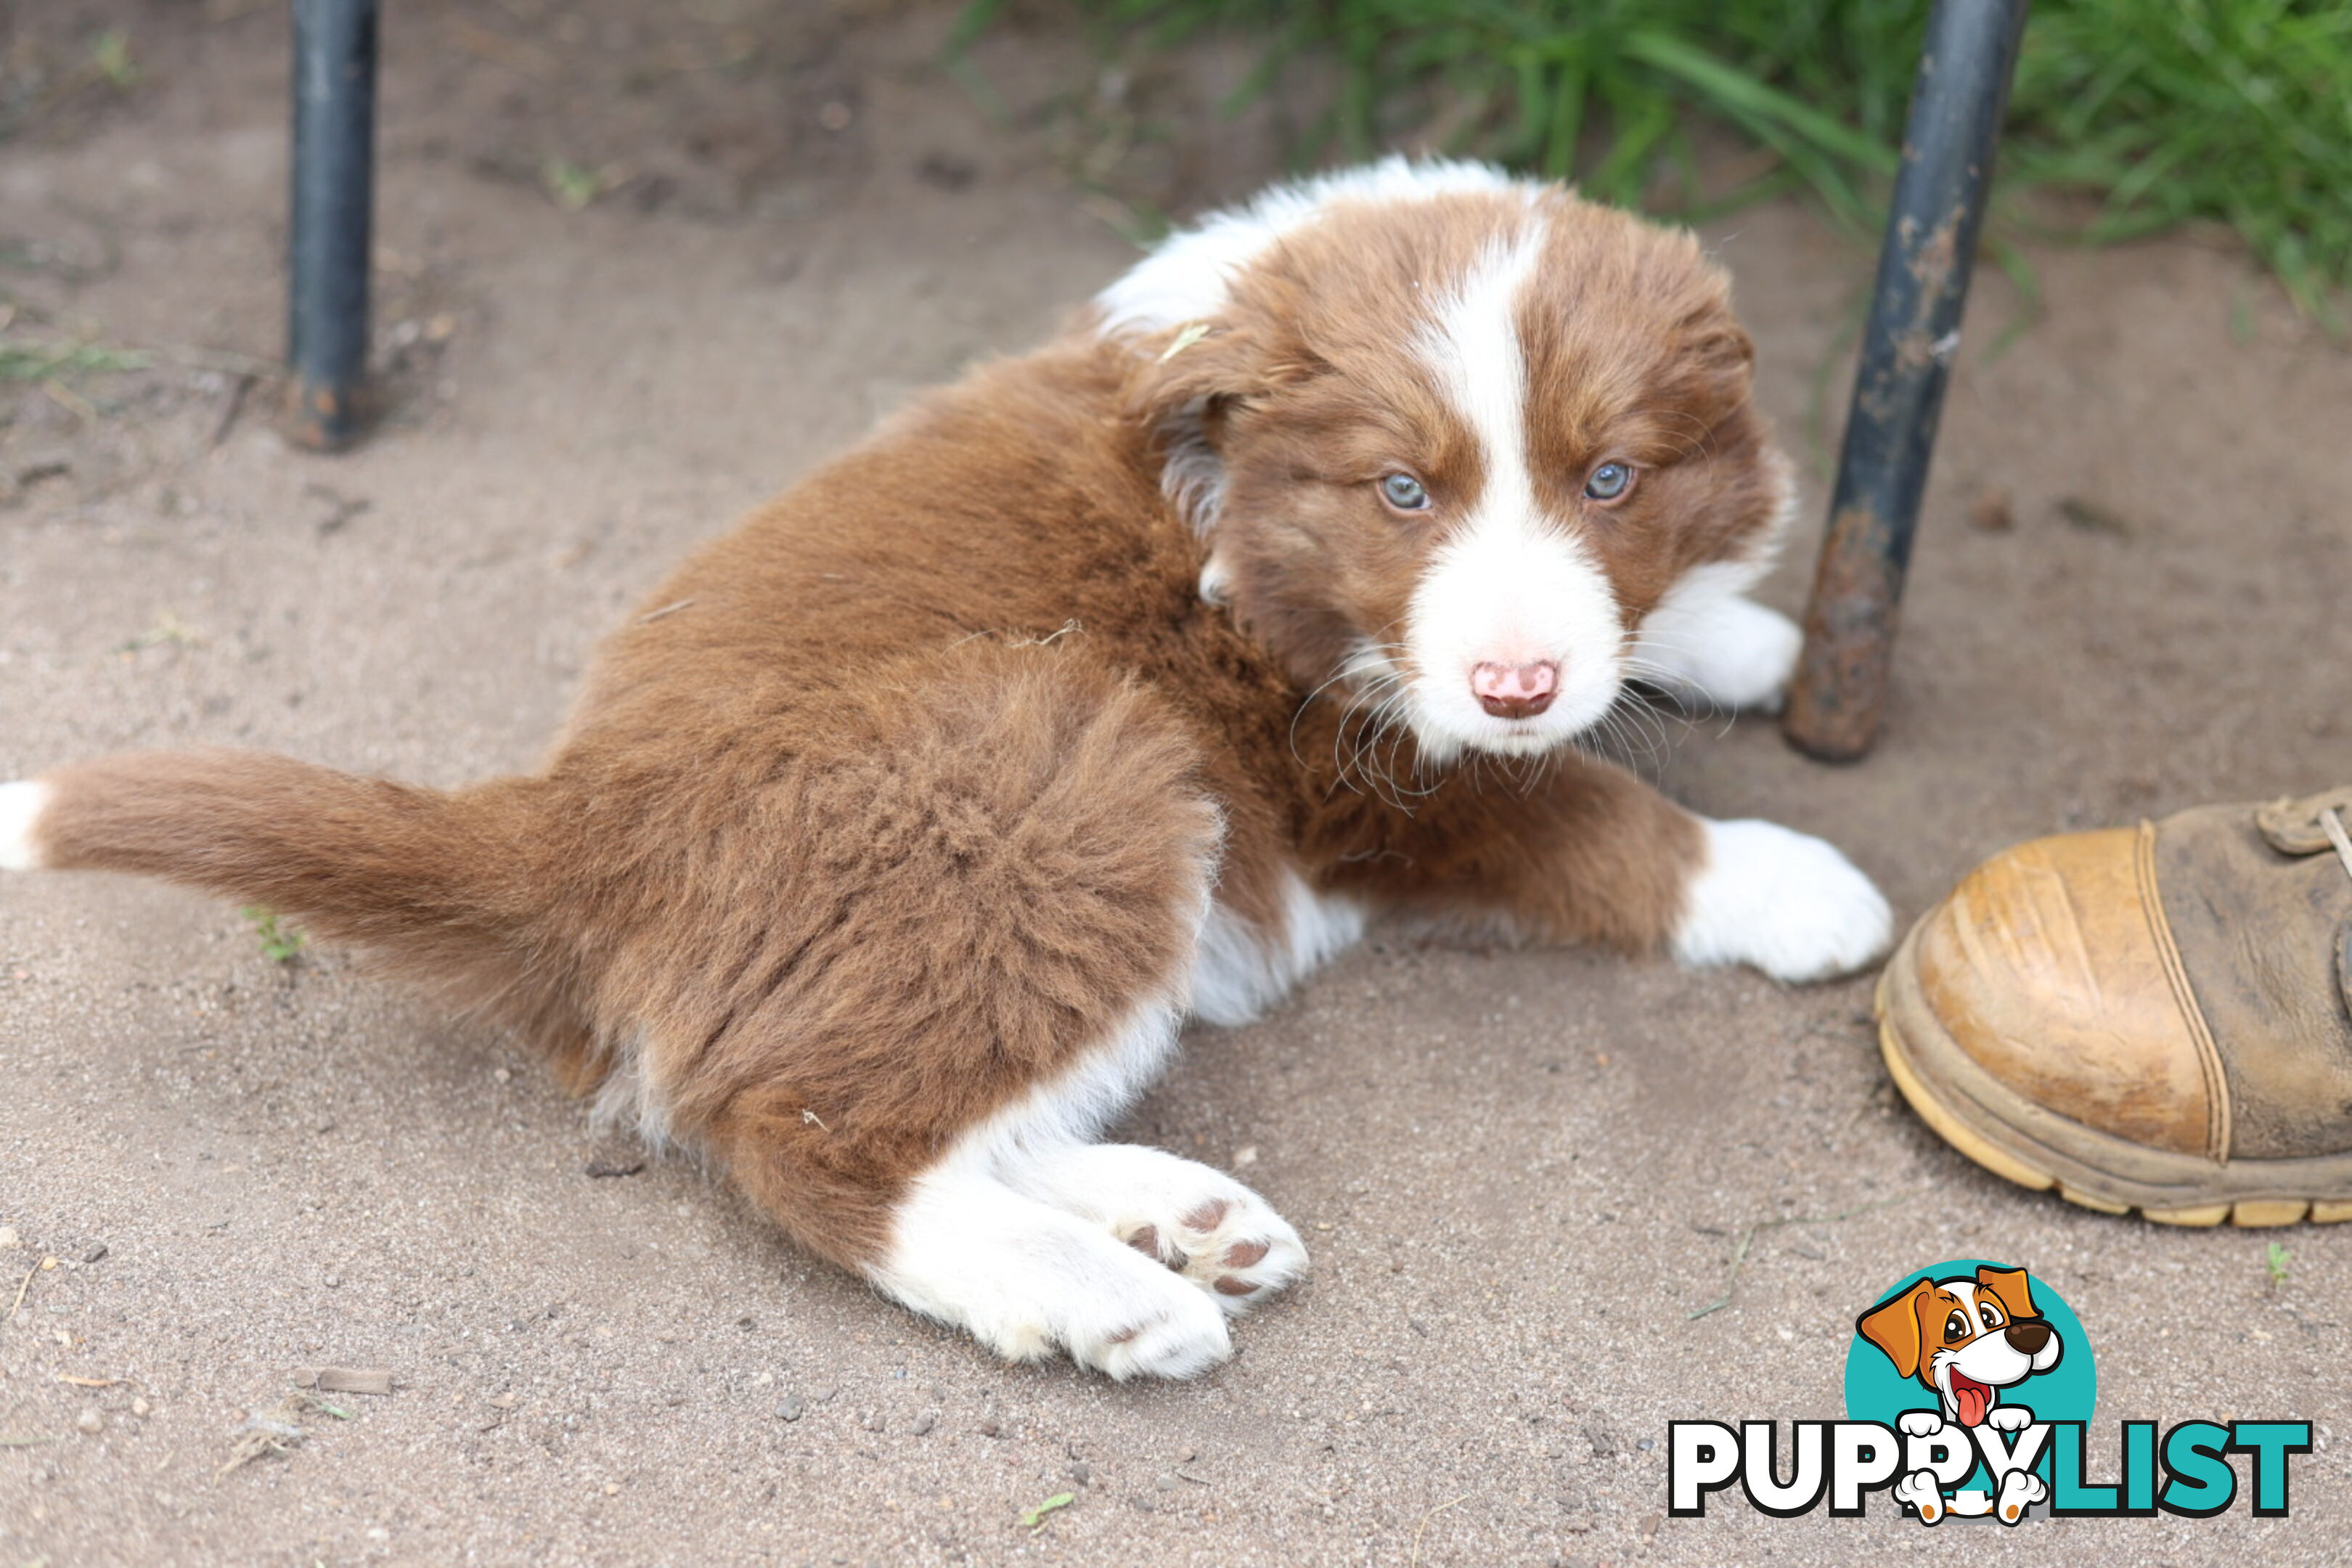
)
(1187, 384)
(2009, 1288)
(1894, 1327)
(1186, 370)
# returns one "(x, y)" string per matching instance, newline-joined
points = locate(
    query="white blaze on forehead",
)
(1190, 275)
(1510, 585)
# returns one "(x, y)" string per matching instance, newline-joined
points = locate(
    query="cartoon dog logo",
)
(1965, 1340)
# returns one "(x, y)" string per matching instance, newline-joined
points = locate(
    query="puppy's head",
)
(1966, 1338)
(1451, 438)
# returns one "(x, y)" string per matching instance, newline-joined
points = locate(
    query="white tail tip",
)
(21, 806)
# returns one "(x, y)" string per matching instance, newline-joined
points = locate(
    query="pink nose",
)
(1515, 690)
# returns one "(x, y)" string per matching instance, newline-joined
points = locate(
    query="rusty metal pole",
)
(334, 201)
(1907, 353)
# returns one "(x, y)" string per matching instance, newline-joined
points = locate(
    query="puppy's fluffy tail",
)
(438, 883)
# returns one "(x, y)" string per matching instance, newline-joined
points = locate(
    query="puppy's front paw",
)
(1785, 902)
(2018, 1489)
(1749, 664)
(2009, 1418)
(1919, 1422)
(1729, 651)
(1921, 1491)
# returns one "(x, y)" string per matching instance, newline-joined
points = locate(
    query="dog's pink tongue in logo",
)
(1973, 1398)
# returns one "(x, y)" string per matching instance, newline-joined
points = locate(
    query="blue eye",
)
(1609, 482)
(1404, 492)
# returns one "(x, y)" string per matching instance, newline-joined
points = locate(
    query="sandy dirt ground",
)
(1523, 1174)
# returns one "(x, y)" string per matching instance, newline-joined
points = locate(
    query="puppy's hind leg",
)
(976, 1243)
(959, 943)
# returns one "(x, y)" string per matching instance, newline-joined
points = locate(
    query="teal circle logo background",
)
(1875, 1391)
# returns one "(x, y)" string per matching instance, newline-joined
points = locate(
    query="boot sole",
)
(2014, 1138)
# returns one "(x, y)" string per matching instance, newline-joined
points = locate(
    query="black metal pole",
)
(333, 199)
(1907, 353)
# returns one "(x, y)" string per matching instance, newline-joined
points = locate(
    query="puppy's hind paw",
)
(1208, 1228)
(1229, 1243)
(1182, 1336)
(1026, 1280)
(1783, 901)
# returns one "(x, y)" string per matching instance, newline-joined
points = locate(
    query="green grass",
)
(40, 361)
(2165, 111)
(280, 944)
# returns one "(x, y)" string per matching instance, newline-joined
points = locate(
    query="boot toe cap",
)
(2048, 969)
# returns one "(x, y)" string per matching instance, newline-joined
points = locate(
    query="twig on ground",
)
(1426, 1518)
(22, 1286)
(343, 1380)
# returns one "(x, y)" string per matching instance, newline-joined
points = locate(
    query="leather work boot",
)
(2151, 1017)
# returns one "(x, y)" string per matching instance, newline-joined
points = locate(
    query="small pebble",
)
(1647, 1443)
(791, 1409)
(90, 1421)
(140, 1408)
(8, 1238)
(924, 1423)
(1168, 1481)
(1082, 1474)
(990, 1427)
(612, 1489)
(95, 1253)
(1991, 513)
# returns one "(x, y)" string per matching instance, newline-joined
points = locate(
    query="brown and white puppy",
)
(1119, 683)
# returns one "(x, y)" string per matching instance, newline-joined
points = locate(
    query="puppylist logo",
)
(1969, 1387)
